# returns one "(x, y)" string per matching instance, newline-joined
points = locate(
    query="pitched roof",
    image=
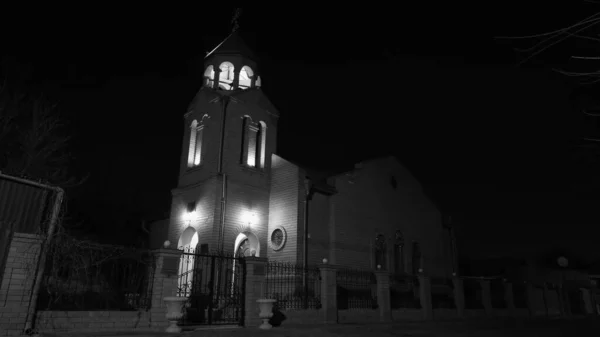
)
(233, 44)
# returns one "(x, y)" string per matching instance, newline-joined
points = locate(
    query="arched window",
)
(399, 252)
(246, 74)
(209, 76)
(261, 141)
(195, 147)
(380, 249)
(226, 76)
(254, 143)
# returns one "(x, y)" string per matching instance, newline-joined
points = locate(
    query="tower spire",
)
(234, 20)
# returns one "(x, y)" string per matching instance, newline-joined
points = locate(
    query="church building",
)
(236, 195)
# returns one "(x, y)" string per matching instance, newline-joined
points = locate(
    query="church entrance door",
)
(216, 289)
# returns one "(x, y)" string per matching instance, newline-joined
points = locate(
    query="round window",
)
(278, 237)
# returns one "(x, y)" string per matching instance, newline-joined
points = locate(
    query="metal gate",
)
(215, 286)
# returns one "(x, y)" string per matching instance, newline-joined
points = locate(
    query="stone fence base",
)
(358, 316)
(308, 316)
(86, 321)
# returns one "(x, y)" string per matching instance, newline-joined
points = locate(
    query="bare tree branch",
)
(578, 30)
(33, 142)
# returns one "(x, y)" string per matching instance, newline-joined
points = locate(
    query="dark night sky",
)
(492, 143)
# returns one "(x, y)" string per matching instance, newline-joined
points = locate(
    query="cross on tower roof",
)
(234, 20)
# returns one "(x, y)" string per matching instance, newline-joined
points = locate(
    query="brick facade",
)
(343, 221)
(16, 298)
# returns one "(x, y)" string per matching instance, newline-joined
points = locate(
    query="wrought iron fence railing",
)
(356, 289)
(404, 291)
(442, 295)
(80, 275)
(214, 284)
(293, 286)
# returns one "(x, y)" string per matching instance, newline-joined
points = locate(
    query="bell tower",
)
(230, 131)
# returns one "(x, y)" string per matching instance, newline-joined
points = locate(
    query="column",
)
(383, 295)
(459, 295)
(329, 293)
(217, 79)
(256, 270)
(509, 297)
(164, 283)
(486, 297)
(425, 296)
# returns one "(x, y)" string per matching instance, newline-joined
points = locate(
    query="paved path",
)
(485, 328)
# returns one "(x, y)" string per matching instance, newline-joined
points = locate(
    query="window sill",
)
(252, 169)
(193, 168)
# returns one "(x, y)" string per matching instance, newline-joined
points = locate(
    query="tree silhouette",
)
(34, 140)
(584, 66)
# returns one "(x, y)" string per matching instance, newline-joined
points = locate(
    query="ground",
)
(581, 327)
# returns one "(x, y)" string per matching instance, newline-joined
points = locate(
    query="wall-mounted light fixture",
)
(190, 212)
(249, 218)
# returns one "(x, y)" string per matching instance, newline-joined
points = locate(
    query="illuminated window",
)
(209, 76)
(195, 147)
(226, 76)
(246, 75)
(258, 83)
(261, 141)
(254, 143)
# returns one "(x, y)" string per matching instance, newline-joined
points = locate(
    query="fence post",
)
(509, 298)
(329, 293)
(425, 296)
(383, 295)
(256, 271)
(164, 283)
(486, 297)
(530, 298)
(459, 295)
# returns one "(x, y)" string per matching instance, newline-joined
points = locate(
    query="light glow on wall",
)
(189, 216)
(249, 218)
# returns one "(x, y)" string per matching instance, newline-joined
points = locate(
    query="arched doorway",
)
(246, 244)
(187, 242)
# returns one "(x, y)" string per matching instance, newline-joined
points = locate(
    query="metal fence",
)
(520, 294)
(442, 295)
(356, 289)
(215, 286)
(6, 232)
(80, 275)
(473, 295)
(25, 207)
(497, 292)
(293, 286)
(404, 291)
